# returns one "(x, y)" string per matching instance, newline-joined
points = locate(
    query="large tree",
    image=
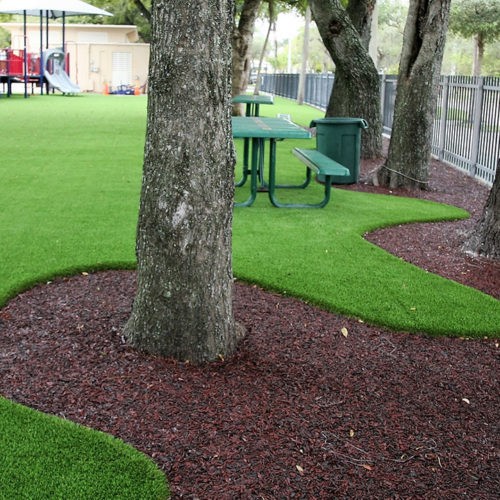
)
(356, 92)
(485, 239)
(409, 154)
(183, 305)
(477, 19)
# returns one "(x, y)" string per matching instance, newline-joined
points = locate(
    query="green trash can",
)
(340, 139)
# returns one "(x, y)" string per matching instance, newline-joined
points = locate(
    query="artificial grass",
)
(42, 456)
(70, 194)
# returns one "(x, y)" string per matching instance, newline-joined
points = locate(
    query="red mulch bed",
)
(301, 410)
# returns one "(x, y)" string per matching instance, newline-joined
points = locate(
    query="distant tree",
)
(272, 14)
(356, 92)
(143, 9)
(246, 13)
(407, 164)
(477, 19)
(134, 12)
(391, 24)
(485, 238)
(242, 39)
(183, 305)
(304, 58)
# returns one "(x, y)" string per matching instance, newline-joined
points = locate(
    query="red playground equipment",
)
(50, 66)
(14, 70)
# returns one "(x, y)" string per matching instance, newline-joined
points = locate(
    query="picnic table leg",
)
(246, 150)
(260, 171)
(256, 143)
(246, 170)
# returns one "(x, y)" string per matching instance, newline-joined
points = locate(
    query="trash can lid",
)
(341, 120)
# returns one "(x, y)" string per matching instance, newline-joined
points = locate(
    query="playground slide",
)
(56, 75)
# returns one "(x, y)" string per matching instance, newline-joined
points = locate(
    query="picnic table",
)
(259, 130)
(252, 102)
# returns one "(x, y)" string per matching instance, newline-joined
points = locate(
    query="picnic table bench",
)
(321, 164)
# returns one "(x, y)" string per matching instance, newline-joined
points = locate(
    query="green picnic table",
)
(259, 130)
(252, 102)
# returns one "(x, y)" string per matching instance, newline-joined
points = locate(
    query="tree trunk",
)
(477, 62)
(242, 49)
(485, 239)
(256, 89)
(409, 154)
(143, 9)
(361, 14)
(305, 57)
(183, 305)
(356, 91)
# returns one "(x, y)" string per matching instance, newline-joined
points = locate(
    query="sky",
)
(287, 26)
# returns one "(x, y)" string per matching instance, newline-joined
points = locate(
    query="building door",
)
(121, 69)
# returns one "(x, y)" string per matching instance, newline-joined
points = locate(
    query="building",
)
(99, 54)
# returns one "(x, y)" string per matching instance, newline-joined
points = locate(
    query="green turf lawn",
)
(43, 457)
(69, 193)
(71, 170)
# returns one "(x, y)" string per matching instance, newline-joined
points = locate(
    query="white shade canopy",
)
(54, 8)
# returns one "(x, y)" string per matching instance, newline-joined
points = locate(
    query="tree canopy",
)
(476, 17)
(479, 20)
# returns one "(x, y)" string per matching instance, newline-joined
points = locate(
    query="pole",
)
(64, 33)
(41, 53)
(25, 54)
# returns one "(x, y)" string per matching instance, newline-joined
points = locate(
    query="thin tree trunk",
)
(409, 154)
(356, 91)
(183, 305)
(477, 62)
(242, 49)
(305, 57)
(143, 9)
(271, 13)
(485, 239)
(256, 89)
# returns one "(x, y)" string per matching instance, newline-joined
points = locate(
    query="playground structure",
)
(46, 70)
(47, 67)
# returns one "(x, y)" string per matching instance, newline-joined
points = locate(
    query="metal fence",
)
(466, 131)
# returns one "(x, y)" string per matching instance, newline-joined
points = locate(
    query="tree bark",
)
(485, 239)
(356, 91)
(242, 49)
(409, 154)
(361, 14)
(183, 305)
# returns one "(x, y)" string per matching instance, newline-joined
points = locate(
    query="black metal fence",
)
(466, 130)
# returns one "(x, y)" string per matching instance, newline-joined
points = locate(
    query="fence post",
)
(382, 96)
(476, 125)
(444, 116)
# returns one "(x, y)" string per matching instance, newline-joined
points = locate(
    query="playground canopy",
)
(50, 9)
